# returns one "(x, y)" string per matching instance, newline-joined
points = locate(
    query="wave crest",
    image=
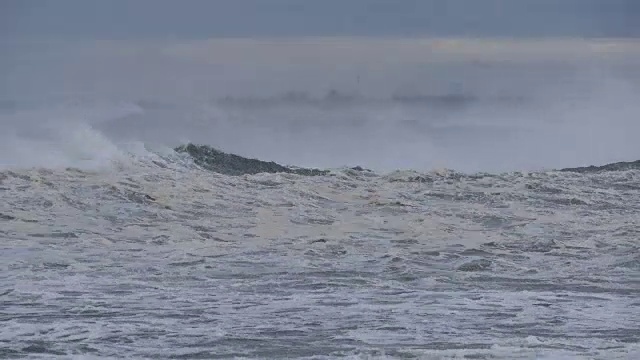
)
(617, 166)
(215, 160)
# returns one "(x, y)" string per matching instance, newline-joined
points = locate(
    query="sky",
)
(200, 19)
(211, 48)
(576, 61)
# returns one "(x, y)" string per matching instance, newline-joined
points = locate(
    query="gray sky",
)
(218, 47)
(186, 52)
(197, 19)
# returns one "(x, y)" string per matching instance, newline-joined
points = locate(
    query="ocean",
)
(429, 229)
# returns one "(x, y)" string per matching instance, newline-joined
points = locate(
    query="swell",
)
(212, 159)
(215, 160)
(617, 166)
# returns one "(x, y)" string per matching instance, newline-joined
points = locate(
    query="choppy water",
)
(157, 258)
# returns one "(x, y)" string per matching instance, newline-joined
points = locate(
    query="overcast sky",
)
(182, 47)
(197, 19)
(186, 52)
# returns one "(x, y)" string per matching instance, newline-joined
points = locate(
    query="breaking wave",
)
(113, 243)
(218, 161)
(316, 135)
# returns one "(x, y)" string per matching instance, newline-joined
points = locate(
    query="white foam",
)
(59, 138)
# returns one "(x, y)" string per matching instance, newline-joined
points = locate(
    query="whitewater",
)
(115, 245)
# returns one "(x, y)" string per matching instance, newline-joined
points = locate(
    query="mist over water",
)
(540, 105)
(115, 243)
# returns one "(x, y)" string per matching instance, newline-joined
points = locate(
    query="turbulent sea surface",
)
(158, 256)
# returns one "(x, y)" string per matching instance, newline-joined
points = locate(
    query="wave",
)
(381, 137)
(212, 159)
(83, 147)
(230, 164)
(617, 166)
